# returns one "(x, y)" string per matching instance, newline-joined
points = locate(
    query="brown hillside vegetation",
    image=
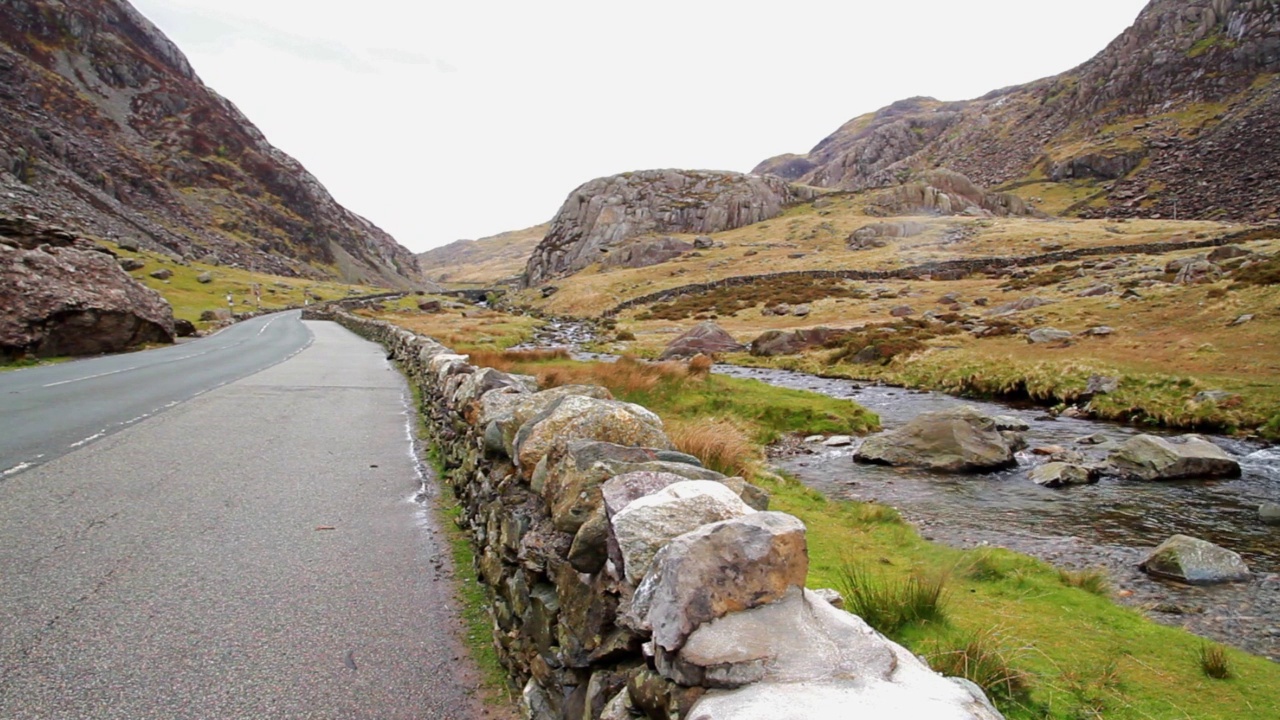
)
(1176, 117)
(106, 129)
(487, 261)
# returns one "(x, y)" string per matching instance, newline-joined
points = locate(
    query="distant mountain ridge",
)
(484, 261)
(1179, 115)
(105, 128)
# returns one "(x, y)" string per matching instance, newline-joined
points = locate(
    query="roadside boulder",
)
(706, 338)
(960, 439)
(1148, 457)
(1198, 562)
(73, 301)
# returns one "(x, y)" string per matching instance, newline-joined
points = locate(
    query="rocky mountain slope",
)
(607, 212)
(1180, 115)
(485, 261)
(106, 129)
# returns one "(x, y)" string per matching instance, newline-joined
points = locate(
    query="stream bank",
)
(1111, 524)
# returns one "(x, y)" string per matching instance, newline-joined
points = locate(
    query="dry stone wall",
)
(949, 269)
(625, 579)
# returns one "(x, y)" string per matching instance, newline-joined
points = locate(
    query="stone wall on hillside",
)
(625, 579)
(947, 269)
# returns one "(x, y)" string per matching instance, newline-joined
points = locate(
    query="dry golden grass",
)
(627, 375)
(482, 262)
(466, 330)
(507, 360)
(720, 444)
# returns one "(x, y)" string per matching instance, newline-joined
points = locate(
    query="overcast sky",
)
(462, 119)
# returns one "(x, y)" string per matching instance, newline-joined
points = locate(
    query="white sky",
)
(462, 119)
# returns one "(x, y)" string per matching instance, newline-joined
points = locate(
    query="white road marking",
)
(177, 359)
(89, 439)
(16, 469)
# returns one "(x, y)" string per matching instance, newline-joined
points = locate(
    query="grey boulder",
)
(1148, 457)
(1195, 561)
(959, 439)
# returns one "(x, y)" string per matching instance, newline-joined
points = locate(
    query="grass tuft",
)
(1213, 661)
(891, 605)
(1091, 580)
(981, 658)
(700, 365)
(720, 444)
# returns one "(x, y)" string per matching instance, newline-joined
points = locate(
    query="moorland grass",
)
(1075, 654)
(684, 392)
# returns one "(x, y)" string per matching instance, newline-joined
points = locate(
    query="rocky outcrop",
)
(705, 338)
(1205, 70)
(644, 252)
(777, 342)
(1195, 561)
(1148, 457)
(943, 192)
(960, 439)
(604, 213)
(65, 296)
(105, 128)
(653, 605)
(877, 234)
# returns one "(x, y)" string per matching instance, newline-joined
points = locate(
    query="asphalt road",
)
(253, 552)
(51, 410)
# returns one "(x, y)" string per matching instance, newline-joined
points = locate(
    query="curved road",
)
(252, 552)
(50, 410)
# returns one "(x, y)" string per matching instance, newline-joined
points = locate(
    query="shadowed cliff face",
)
(104, 127)
(606, 212)
(1181, 109)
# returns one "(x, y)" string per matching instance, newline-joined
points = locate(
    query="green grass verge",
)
(473, 600)
(1075, 654)
(190, 297)
(768, 411)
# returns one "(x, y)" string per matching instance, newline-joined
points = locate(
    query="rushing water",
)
(1110, 524)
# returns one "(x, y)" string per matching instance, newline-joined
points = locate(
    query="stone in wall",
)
(584, 418)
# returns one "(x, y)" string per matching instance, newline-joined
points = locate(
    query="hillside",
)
(486, 261)
(106, 129)
(1176, 118)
